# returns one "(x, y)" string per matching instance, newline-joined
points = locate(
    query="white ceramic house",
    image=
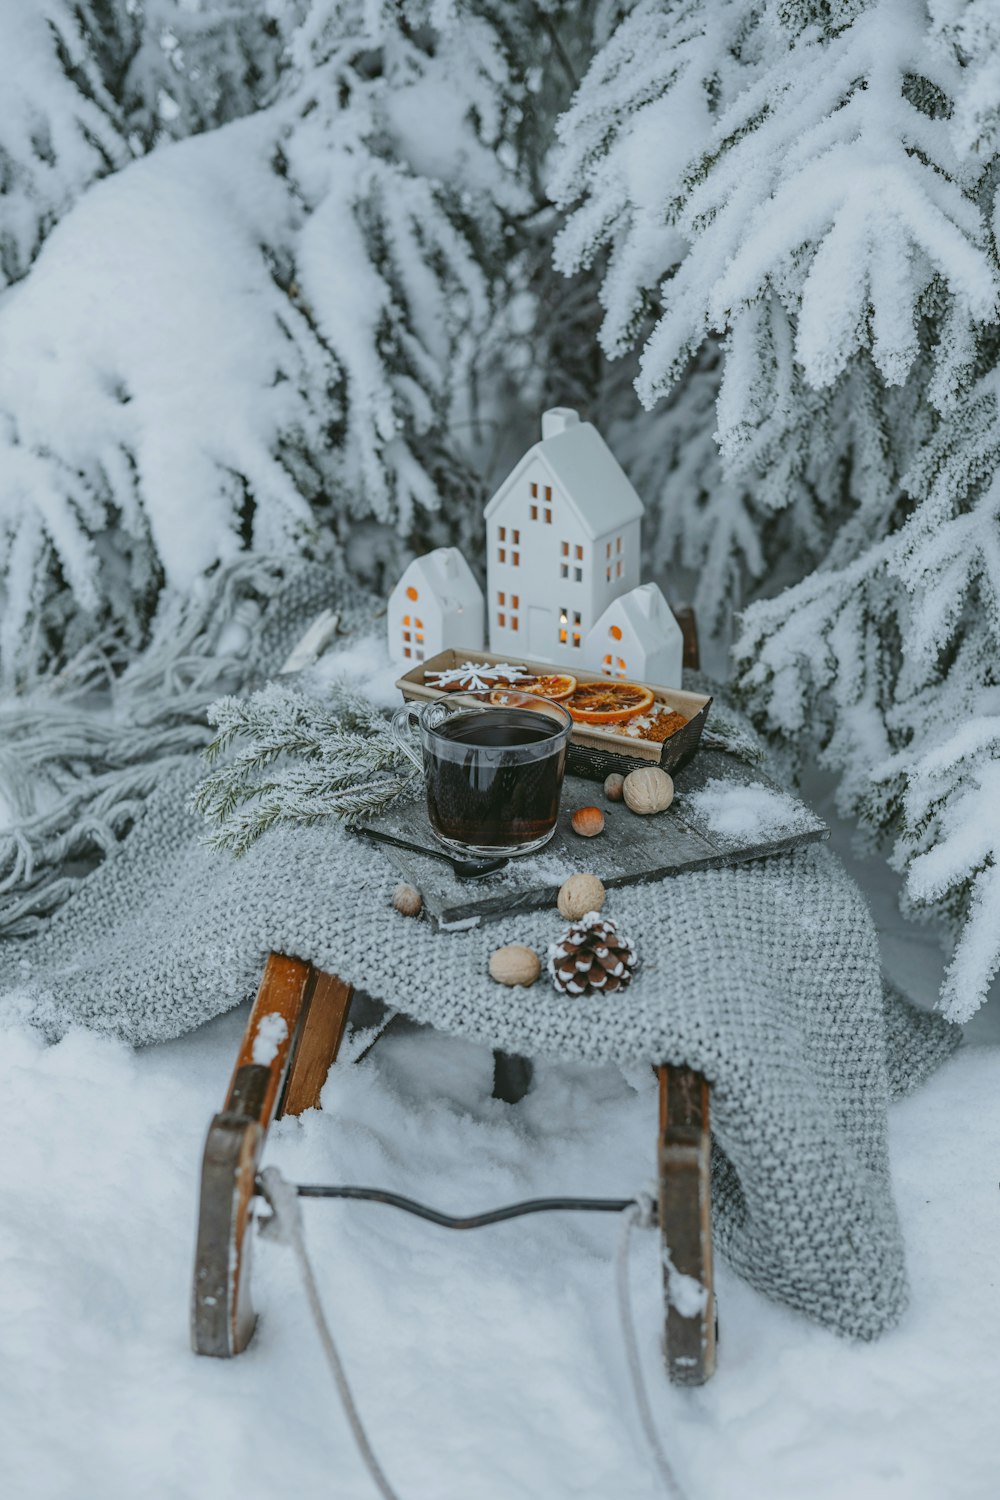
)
(562, 542)
(436, 604)
(638, 638)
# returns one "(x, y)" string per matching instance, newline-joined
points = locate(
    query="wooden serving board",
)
(631, 849)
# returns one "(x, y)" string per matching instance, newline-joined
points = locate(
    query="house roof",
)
(642, 607)
(447, 573)
(587, 472)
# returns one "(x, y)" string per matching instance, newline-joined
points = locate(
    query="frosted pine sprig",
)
(302, 759)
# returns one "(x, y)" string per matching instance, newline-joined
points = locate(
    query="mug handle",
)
(400, 725)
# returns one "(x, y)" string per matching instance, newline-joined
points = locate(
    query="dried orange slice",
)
(557, 687)
(608, 702)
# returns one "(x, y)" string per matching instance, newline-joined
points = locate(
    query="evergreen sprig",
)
(301, 759)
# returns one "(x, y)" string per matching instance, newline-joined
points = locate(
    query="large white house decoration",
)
(436, 604)
(638, 638)
(562, 542)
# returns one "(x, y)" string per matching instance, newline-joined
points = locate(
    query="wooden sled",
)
(276, 1075)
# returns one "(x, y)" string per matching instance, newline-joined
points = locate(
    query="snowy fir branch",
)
(302, 760)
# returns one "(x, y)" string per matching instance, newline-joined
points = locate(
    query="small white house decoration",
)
(638, 638)
(436, 604)
(562, 542)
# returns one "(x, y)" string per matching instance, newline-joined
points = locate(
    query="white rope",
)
(286, 1226)
(641, 1213)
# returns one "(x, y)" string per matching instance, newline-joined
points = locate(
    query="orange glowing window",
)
(579, 553)
(501, 597)
(503, 554)
(565, 549)
(515, 601)
(407, 651)
(534, 491)
(503, 533)
(615, 632)
(618, 569)
(513, 622)
(418, 623)
(516, 559)
(501, 619)
(548, 518)
(534, 509)
(618, 544)
(411, 593)
(516, 537)
(548, 494)
(608, 551)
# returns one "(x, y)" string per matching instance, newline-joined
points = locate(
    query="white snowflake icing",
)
(477, 676)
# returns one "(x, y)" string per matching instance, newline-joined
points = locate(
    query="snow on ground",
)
(488, 1365)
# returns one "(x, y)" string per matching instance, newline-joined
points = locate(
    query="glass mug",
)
(493, 767)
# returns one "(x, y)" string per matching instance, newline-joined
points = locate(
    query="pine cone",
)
(592, 957)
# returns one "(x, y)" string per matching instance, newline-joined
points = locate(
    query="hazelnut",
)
(407, 899)
(648, 791)
(578, 895)
(613, 786)
(588, 822)
(515, 964)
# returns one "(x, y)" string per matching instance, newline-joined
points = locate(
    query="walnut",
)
(649, 790)
(578, 895)
(515, 964)
(407, 899)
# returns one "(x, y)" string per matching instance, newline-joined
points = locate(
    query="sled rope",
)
(285, 1226)
(641, 1213)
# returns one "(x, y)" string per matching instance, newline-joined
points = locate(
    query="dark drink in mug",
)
(493, 769)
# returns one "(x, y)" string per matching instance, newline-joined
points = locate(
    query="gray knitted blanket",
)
(765, 977)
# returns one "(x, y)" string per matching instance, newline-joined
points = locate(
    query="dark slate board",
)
(631, 849)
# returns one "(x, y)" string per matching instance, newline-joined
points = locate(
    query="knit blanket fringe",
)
(83, 751)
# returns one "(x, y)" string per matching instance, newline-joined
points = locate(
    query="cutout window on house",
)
(534, 512)
(618, 568)
(615, 632)
(608, 551)
(609, 572)
(565, 549)
(515, 558)
(502, 554)
(503, 533)
(407, 651)
(563, 622)
(534, 490)
(548, 517)
(516, 537)
(564, 570)
(618, 544)
(577, 633)
(501, 619)
(578, 575)
(548, 494)
(501, 597)
(515, 601)
(411, 593)
(579, 553)
(513, 622)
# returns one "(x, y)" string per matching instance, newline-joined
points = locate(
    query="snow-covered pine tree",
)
(796, 200)
(260, 333)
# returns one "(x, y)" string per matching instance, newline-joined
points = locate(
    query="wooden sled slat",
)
(280, 1069)
(686, 1225)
